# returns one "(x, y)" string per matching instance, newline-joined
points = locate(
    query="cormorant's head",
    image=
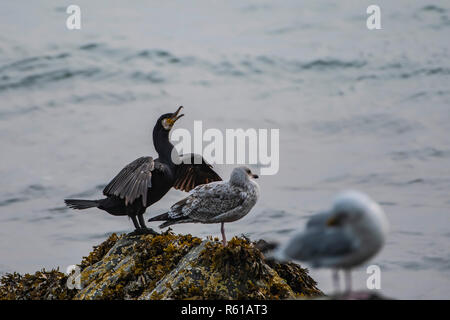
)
(167, 120)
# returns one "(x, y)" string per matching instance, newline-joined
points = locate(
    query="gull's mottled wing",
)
(318, 243)
(192, 172)
(132, 181)
(319, 220)
(208, 201)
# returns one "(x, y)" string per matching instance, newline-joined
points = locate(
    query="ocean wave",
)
(158, 55)
(88, 193)
(433, 8)
(32, 191)
(365, 124)
(96, 61)
(10, 201)
(423, 154)
(48, 77)
(324, 64)
(32, 62)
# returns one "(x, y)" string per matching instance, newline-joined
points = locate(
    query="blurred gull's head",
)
(357, 209)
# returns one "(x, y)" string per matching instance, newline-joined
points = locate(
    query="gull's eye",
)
(248, 171)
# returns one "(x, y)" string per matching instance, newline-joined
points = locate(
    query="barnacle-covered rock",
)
(169, 266)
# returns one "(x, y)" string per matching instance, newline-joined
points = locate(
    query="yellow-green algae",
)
(134, 264)
(99, 251)
(239, 271)
(47, 285)
(168, 266)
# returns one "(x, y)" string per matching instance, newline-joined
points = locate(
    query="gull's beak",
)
(334, 221)
(175, 116)
(254, 176)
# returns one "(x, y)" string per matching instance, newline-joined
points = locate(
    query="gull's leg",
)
(224, 239)
(354, 295)
(335, 274)
(348, 281)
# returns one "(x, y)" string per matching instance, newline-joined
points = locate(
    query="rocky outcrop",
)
(169, 266)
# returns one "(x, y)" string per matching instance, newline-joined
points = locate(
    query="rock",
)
(169, 266)
(264, 246)
(238, 271)
(43, 285)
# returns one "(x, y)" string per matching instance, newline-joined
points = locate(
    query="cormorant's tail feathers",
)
(81, 204)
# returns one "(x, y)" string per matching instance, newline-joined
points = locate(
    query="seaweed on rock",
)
(43, 285)
(168, 266)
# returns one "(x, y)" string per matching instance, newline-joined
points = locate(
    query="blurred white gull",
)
(216, 202)
(351, 233)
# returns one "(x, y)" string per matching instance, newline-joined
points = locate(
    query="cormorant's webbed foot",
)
(136, 232)
(141, 231)
(147, 230)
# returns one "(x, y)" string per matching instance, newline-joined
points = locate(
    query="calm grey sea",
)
(357, 109)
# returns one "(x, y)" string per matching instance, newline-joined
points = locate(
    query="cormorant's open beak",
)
(175, 116)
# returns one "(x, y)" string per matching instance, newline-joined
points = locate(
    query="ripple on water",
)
(424, 154)
(87, 193)
(326, 64)
(434, 8)
(439, 263)
(59, 209)
(158, 56)
(10, 201)
(42, 78)
(30, 192)
(384, 123)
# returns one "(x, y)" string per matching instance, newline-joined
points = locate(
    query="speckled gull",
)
(216, 202)
(349, 234)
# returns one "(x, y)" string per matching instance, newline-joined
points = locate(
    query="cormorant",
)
(216, 202)
(146, 180)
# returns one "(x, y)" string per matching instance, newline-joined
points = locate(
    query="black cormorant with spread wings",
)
(146, 180)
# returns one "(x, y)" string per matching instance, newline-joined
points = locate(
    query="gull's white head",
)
(347, 235)
(357, 209)
(241, 175)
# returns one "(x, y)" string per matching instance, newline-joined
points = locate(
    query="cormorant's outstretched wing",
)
(132, 181)
(193, 171)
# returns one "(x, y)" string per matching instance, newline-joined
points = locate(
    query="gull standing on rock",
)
(216, 202)
(352, 232)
